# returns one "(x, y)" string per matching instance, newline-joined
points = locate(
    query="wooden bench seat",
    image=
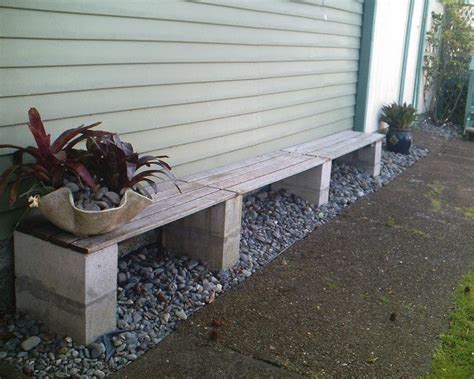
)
(254, 173)
(169, 205)
(364, 150)
(70, 282)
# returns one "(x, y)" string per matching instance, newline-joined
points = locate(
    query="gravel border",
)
(156, 290)
(445, 130)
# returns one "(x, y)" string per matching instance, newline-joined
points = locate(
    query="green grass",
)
(455, 356)
(469, 213)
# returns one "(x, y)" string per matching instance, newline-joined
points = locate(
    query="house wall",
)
(388, 53)
(206, 82)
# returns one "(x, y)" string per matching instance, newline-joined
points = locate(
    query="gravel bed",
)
(156, 291)
(446, 130)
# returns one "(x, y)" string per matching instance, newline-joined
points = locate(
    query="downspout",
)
(363, 77)
(405, 52)
(421, 50)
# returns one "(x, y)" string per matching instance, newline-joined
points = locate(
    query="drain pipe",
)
(421, 50)
(405, 52)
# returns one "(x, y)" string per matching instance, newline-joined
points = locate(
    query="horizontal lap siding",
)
(206, 82)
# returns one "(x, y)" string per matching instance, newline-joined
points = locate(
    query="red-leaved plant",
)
(115, 165)
(52, 160)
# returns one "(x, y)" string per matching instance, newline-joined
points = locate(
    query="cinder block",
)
(312, 185)
(73, 293)
(366, 159)
(212, 235)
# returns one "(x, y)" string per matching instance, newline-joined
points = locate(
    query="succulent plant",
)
(398, 116)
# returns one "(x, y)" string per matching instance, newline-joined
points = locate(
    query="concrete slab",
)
(325, 310)
(184, 356)
(75, 294)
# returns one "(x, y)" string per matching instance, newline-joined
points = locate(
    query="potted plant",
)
(400, 118)
(83, 191)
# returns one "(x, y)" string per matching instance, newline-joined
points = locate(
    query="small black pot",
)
(399, 140)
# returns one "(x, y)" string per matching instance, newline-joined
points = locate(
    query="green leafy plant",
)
(115, 165)
(51, 161)
(450, 43)
(398, 116)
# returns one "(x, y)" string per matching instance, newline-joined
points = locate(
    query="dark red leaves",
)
(42, 139)
(106, 158)
(53, 161)
(81, 171)
(61, 142)
(118, 165)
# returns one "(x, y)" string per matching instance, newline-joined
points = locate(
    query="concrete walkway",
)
(366, 295)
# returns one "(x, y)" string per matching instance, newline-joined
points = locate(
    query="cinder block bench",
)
(307, 176)
(70, 282)
(363, 150)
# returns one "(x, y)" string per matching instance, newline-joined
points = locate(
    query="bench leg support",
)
(366, 159)
(211, 235)
(312, 185)
(74, 294)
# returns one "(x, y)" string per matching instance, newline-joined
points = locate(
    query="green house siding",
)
(206, 82)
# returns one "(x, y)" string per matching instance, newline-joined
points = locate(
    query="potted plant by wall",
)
(400, 118)
(83, 191)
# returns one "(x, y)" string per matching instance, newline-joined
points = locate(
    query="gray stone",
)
(96, 350)
(30, 343)
(102, 204)
(90, 206)
(72, 186)
(122, 277)
(100, 192)
(3, 354)
(181, 314)
(7, 278)
(99, 374)
(113, 197)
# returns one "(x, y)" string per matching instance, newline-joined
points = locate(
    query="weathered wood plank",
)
(348, 146)
(152, 221)
(162, 205)
(276, 176)
(319, 143)
(268, 169)
(230, 167)
(248, 170)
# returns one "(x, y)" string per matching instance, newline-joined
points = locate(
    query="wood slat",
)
(151, 222)
(17, 52)
(54, 25)
(20, 81)
(246, 169)
(167, 189)
(75, 104)
(249, 173)
(314, 145)
(194, 12)
(292, 8)
(348, 146)
(276, 176)
(282, 14)
(230, 167)
(160, 206)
